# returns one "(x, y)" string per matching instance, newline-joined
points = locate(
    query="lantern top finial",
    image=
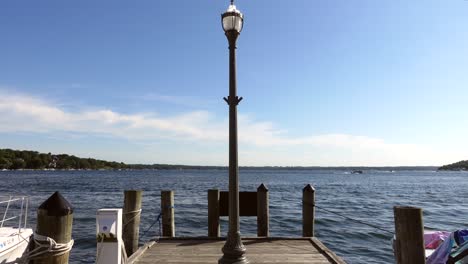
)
(232, 8)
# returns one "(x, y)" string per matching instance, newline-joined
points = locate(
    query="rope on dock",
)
(51, 246)
(158, 220)
(349, 218)
(44, 245)
(136, 212)
(132, 212)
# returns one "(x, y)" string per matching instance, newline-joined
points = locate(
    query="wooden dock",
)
(408, 243)
(259, 250)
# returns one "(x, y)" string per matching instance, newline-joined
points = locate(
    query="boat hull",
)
(13, 243)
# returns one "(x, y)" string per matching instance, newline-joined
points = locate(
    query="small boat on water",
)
(356, 172)
(14, 235)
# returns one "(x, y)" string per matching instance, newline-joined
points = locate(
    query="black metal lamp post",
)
(234, 250)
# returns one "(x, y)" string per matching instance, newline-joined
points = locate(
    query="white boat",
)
(14, 235)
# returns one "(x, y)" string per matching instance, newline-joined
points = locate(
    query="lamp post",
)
(234, 250)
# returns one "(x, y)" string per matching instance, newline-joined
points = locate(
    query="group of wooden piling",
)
(55, 218)
(251, 204)
(257, 204)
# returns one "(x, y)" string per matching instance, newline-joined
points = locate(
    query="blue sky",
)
(328, 83)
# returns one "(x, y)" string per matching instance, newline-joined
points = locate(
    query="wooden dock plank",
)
(259, 250)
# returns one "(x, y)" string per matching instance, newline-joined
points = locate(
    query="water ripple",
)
(369, 197)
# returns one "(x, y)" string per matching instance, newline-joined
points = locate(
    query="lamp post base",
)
(234, 250)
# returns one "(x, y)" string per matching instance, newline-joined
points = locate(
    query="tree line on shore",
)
(457, 166)
(26, 159)
(33, 160)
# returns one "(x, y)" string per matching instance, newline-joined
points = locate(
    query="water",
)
(369, 197)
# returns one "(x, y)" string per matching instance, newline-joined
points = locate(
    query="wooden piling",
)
(167, 209)
(308, 211)
(409, 231)
(54, 220)
(263, 229)
(131, 220)
(213, 213)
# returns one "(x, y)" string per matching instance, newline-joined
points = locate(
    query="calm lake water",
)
(369, 197)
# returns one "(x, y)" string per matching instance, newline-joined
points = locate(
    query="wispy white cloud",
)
(25, 113)
(191, 101)
(266, 144)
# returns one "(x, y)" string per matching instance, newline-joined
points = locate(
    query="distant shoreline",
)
(290, 168)
(11, 160)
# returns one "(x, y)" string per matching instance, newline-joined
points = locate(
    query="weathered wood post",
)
(54, 220)
(263, 228)
(131, 220)
(409, 231)
(213, 213)
(167, 209)
(308, 211)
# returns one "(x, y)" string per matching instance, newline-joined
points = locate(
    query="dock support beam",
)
(308, 211)
(263, 229)
(167, 209)
(131, 220)
(213, 213)
(409, 231)
(54, 220)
